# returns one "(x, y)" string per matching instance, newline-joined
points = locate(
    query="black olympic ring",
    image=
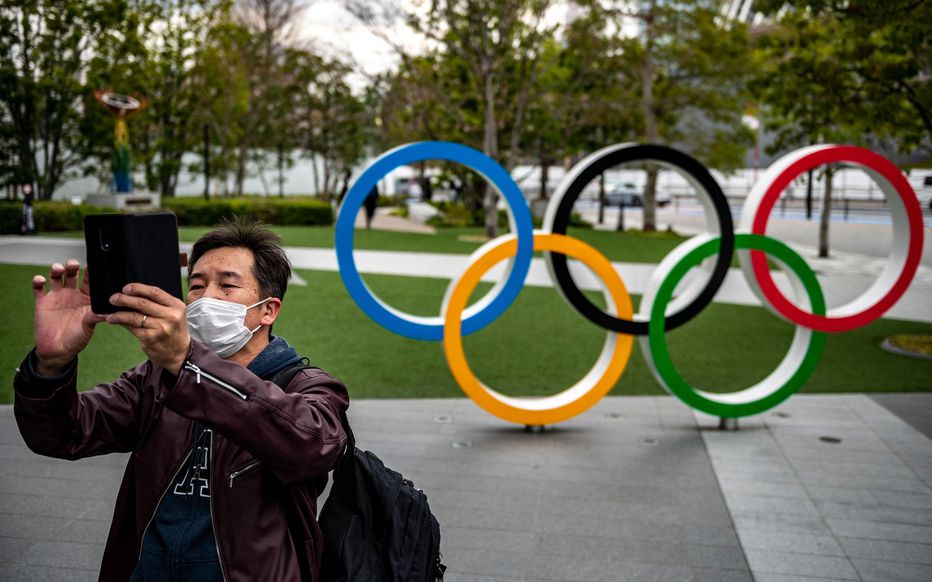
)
(704, 183)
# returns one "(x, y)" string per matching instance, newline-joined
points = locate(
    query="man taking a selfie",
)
(226, 467)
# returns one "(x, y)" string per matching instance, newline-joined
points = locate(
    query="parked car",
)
(628, 194)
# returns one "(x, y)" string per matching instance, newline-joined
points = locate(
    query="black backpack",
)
(377, 525)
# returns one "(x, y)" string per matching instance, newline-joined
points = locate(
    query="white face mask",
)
(220, 325)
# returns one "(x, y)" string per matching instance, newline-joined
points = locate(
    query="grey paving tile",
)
(457, 538)
(880, 531)
(894, 470)
(720, 575)
(469, 517)
(760, 503)
(20, 572)
(858, 548)
(878, 483)
(488, 563)
(12, 548)
(794, 542)
(53, 529)
(55, 554)
(780, 522)
(88, 472)
(875, 512)
(800, 564)
(717, 557)
(56, 488)
(747, 487)
(457, 577)
(703, 535)
(772, 577)
(878, 571)
(580, 568)
(631, 549)
(58, 507)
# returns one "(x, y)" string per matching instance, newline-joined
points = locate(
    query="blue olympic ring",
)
(431, 328)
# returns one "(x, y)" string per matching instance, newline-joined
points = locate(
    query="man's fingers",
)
(72, 269)
(152, 293)
(143, 305)
(55, 274)
(38, 286)
(128, 319)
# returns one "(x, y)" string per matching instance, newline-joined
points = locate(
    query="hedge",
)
(48, 216)
(63, 216)
(457, 214)
(280, 211)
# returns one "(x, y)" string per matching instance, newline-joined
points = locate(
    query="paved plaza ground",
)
(638, 488)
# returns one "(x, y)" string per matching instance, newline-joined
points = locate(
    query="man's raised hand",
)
(63, 323)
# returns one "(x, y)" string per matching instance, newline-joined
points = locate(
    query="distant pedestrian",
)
(427, 192)
(370, 203)
(28, 224)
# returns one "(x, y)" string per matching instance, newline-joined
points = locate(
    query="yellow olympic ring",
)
(575, 399)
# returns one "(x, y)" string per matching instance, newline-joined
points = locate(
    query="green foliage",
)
(45, 48)
(288, 211)
(454, 214)
(853, 71)
(63, 216)
(11, 214)
(49, 216)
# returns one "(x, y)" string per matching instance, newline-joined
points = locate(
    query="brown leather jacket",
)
(271, 454)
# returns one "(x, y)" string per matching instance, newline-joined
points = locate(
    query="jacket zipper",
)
(245, 469)
(213, 522)
(174, 478)
(196, 370)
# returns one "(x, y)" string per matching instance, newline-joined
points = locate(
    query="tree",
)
(880, 59)
(690, 65)
(45, 47)
(222, 95)
(334, 123)
(265, 125)
(578, 103)
(494, 46)
(174, 50)
(822, 95)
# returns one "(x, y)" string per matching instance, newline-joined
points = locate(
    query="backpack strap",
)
(283, 379)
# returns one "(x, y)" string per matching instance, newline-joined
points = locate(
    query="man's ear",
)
(270, 311)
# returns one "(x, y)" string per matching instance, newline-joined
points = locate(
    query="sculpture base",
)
(129, 202)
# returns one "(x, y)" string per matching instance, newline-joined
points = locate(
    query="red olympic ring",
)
(882, 168)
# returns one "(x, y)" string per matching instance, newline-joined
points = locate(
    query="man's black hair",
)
(271, 266)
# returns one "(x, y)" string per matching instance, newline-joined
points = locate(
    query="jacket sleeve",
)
(297, 433)
(56, 421)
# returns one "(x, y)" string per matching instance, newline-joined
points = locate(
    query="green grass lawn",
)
(539, 346)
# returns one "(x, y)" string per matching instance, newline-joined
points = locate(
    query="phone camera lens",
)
(105, 239)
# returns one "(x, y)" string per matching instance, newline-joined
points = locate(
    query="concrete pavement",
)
(823, 488)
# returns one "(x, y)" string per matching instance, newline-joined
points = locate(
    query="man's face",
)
(226, 273)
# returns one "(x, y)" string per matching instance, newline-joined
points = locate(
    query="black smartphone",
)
(131, 248)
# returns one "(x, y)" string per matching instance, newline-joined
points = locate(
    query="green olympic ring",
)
(788, 377)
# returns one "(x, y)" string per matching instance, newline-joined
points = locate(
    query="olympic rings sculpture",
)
(710, 253)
